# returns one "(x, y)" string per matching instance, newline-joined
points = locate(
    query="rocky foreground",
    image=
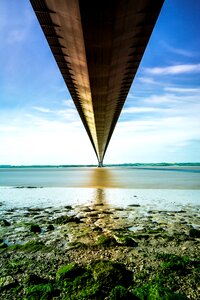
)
(99, 252)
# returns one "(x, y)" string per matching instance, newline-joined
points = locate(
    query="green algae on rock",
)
(119, 292)
(39, 292)
(109, 273)
(68, 271)
(32, 246)
(173, 262)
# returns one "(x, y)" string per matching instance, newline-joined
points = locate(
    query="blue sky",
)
(160, 120)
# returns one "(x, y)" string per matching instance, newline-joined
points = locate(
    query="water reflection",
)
(103, 178)
(99, 197)
(99, 219)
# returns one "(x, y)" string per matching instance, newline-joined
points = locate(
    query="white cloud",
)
(68, 103)
(133, 110)
(9, 128)
(69, 114)
(172, 99)
(173, 70)
(29, 139)
(34, 146)
(42, 109)
(157, 137)
(148, 80)
(182, 90)
(178, 51)
(155, 140)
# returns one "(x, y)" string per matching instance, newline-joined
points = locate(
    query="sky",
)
(160, 121)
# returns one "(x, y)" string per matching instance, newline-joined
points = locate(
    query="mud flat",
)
(98, 251)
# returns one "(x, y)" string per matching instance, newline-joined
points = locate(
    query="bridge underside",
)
(98, 46)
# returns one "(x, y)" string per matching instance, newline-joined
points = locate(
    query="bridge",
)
(98, 46)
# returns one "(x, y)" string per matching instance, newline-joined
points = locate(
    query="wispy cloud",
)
(178, 51)
(182, 90)
(133, 110)
(68, 103)
(177, 105)
(42, 109)
(19, 30)
(148, 80)
(69, 114)
(173, 70)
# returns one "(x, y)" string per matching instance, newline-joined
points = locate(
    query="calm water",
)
(119, 177)
(163, 187)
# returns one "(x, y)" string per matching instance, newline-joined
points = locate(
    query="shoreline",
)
(148, 243)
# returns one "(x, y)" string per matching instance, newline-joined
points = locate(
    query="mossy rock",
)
(68, 272)
(39, 292)
(105, 241)
(75, 245)
(5, 223)
(93, 282)
(35, 228)
(83, 287)
(50, 227)
(7, 282)
(194, 233)
(173, 262)
(126, 241)
(155, 290)
(33, 279)
(66, 219)
(3, 245)
(31, 246)
(110, 274)
(120, 292)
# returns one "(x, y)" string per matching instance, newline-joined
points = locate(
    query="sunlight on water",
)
(103, 178)
(99, 187)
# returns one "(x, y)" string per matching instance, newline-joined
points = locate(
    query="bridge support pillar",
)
(100, 164)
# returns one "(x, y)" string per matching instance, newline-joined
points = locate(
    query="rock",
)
(7, 282)
(68, 207)
(68, 271)
(32, 246)
(35, 228)
(3, 245)
(195, 233)
(66, 219)
(34, 279)
(50, 227)
(110, 274)
(105, 241)
(5, 223)
(40, 291)
(120, 292)
(126, 241)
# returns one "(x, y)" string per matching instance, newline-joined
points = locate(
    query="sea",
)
(152, 187)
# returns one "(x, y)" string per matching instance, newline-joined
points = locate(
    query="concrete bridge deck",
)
(98, 46)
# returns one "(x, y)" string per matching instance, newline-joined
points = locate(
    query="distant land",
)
(163, 164)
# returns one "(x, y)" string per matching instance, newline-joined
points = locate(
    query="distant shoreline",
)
(187, 164)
